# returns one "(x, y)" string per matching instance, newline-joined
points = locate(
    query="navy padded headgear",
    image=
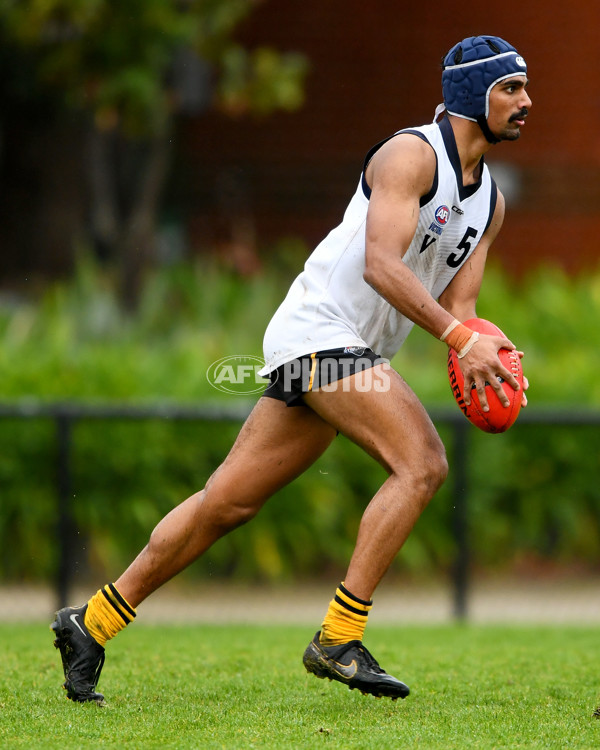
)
(471, 69)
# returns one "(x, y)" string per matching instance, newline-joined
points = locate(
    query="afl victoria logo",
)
(442, 214)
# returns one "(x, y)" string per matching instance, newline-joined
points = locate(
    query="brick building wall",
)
(375, 67)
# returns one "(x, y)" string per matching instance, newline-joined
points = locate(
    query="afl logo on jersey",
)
(442, 214)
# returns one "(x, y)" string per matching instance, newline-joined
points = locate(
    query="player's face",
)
(509, 106)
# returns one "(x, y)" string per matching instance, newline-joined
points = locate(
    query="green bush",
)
(532, 491)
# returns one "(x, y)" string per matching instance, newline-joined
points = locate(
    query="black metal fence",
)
(65, 415)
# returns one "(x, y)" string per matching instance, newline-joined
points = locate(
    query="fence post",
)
(460, 520)
(65, 522)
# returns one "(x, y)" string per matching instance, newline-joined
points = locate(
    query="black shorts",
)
(312, 371)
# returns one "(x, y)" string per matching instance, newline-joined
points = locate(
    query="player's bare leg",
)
(275, 445)
(393, 427)
(390, 424)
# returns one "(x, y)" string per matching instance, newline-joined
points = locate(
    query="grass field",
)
(245, 687)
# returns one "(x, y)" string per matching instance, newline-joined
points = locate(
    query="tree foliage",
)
(120, 60)
(129, 66)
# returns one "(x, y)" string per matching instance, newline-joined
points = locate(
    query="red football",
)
(499, 418)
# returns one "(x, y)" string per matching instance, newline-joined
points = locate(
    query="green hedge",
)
(534, 491)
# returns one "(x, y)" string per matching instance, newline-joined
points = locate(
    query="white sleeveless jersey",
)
(330, 305)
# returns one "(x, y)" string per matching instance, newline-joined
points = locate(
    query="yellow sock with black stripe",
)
(346, 618)
(107, 614)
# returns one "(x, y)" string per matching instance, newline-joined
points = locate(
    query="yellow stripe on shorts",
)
(313, 367)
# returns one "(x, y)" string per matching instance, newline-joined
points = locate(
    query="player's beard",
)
(511, 134)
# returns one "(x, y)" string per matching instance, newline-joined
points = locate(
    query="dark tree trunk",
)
(126, 181)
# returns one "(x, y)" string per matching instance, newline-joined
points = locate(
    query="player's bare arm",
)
(400, 173)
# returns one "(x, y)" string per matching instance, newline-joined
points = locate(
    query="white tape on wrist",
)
(467, 347)
(450, 328)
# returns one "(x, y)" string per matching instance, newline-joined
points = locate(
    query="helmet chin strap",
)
(490, 137)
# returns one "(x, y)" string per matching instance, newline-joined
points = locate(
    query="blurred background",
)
(165, 169)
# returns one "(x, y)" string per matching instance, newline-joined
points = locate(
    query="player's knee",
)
(438, 468)
(226, 508)
(226, 505)
(233, 514)
(431, 472)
